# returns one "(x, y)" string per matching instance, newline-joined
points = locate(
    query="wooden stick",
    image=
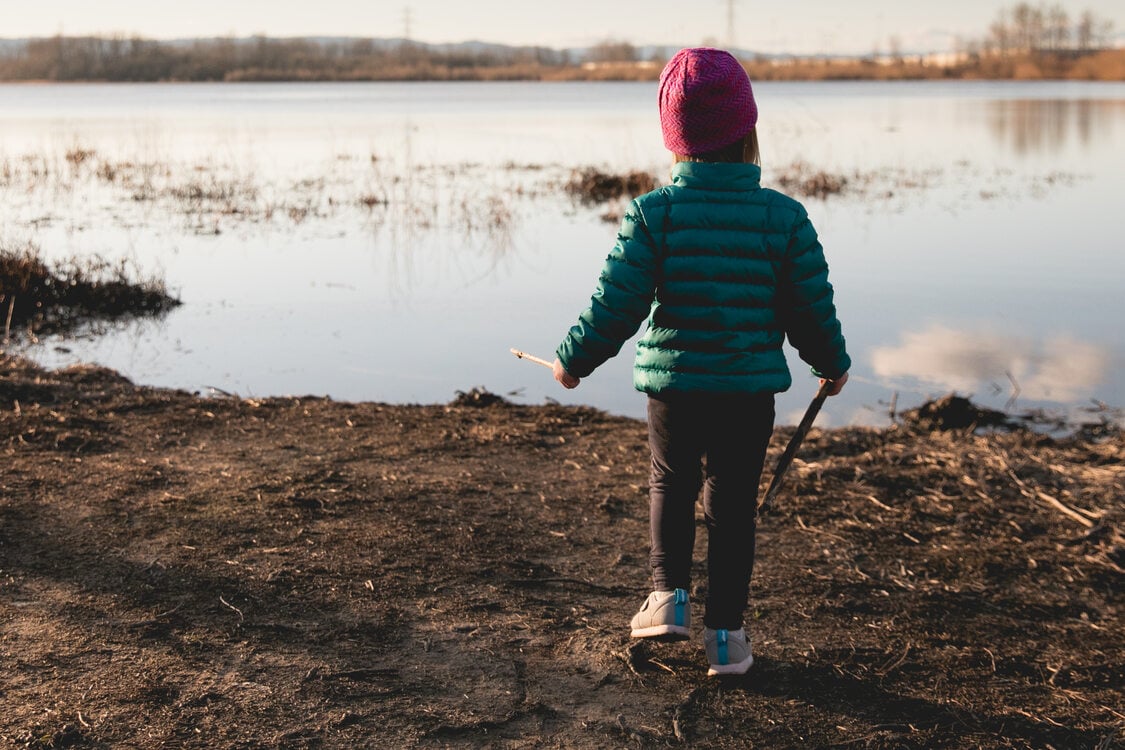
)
(794, 443)
(531, 358)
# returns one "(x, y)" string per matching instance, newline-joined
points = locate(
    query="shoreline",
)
(300, 572)
(305, 572)
(1106, 65)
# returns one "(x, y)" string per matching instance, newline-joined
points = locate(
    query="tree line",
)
(1030, 29)
(136, 59)
(1056, 43)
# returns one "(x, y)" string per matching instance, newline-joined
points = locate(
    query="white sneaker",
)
(664, 613)
(728, 651)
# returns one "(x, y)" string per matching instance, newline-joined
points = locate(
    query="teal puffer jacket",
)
(723, 269)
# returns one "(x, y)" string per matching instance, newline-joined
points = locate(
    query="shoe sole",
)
(673, 632)
(741, 667)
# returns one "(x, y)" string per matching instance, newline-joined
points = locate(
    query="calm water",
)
(979, 253)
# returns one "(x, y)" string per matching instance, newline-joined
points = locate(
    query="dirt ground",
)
(297, 572)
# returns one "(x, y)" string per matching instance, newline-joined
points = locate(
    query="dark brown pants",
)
(717, 442)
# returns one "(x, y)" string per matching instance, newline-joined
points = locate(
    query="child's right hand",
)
(837, 384)
(564, 377)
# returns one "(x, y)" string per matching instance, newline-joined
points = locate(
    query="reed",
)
(51, 297)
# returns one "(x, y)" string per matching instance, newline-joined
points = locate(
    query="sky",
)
(797, 26)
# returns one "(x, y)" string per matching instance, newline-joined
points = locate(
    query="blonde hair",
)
(743, 151)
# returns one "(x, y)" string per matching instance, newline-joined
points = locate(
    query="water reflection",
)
(1047, 126)
(1060, 368)
(355, 221)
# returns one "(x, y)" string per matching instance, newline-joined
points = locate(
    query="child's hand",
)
(564, 377)
(837, 384)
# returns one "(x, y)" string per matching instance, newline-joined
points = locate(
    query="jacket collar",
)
(712, 176)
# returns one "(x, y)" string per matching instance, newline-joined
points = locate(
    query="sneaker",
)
(728, 651)
(666, 613)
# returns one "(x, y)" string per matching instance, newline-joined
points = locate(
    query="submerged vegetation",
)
(593, 185)
(37, 296)
(211, 196)
(800, 179)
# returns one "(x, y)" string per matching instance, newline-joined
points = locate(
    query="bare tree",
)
(1103, 33)
(1084, 32)
(1000, 34)
(894, 48)
(613, 51)
(1021, 26)
(1058, 28)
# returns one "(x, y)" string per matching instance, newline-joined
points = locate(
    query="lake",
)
(391, 241)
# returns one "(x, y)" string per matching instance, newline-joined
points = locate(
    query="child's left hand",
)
(837, 384)
(564, 377)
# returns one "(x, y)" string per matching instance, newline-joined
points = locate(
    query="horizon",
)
(811, 27)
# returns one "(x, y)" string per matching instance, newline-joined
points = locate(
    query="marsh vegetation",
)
(39, 297)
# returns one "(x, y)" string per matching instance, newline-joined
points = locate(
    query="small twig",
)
(8, 322)
(812, 530)
(629, 656)
(1015, 391)
(886, 669)
(236, 609)
(173, 610)
(1040, 495)
(680, 714)
(155, 619)
(563, 579)
(875, 500)
(531, 358)
(992, 656)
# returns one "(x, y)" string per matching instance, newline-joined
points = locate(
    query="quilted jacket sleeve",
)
(808, 312)
(621, 301)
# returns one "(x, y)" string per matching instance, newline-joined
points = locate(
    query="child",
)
(723, 270)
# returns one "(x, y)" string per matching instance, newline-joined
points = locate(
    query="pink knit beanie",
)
(705, 101)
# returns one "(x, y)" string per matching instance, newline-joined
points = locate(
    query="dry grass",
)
(36, 296)
(592, 185)
(211, 196)
(801, 179)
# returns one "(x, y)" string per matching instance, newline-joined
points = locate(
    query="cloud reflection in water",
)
(1060, 368)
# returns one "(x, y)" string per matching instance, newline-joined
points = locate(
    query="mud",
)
(301, 573)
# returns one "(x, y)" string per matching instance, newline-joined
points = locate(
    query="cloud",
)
(1059, 368)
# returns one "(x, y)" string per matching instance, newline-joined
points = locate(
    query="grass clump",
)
(591, 185)
(40, 297)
